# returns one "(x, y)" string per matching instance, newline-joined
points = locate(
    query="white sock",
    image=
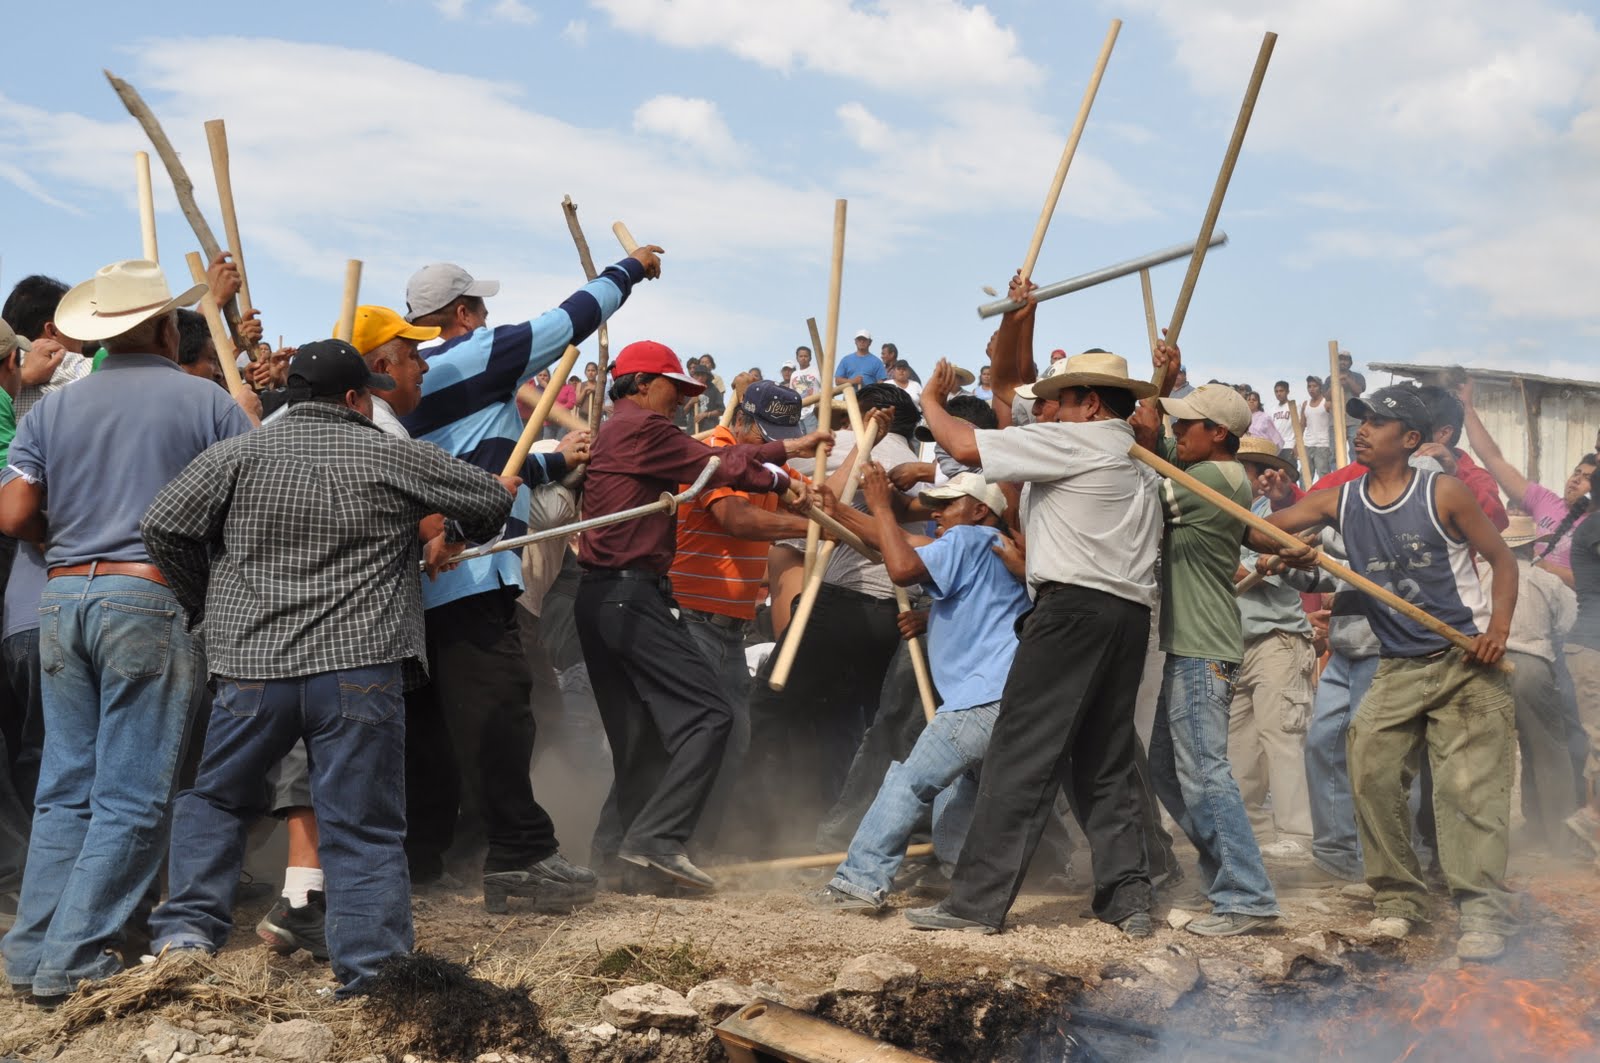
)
(298, 881)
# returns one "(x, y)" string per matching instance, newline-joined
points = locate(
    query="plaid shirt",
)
(298, 542)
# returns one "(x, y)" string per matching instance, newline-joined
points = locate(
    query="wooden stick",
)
(570, 210)
(536, 419)
(1356, 580)
(808, 596)
(845, 535)
(793, 863)
(147, 205)
(624, 237)
(1341, 433)
(1150, 326)
(562, 416)
(217, 139)
(181, 186)
(227, 353)
(1255, 579)
(346, 328)
(1300, 445)
(826, 354)
(1071, 149)
(1180, 310)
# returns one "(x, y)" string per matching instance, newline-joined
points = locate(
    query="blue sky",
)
(1418, 181)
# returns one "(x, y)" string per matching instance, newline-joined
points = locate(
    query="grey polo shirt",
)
(107, 444)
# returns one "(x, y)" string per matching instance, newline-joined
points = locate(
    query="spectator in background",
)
(1284, 424)
(1316, 425)
(786, 373)
(755, 373)
(890, 354)
(567, 397)
(983, 390)
(588, 392)
(1261, 423)
(1181, 388)
(1057, 355)
(1354, 385)
(709, 364)
(861, 368)
(903, 381)
(55, 359)
(805, 379)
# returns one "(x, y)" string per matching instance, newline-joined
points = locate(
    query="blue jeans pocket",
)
(369, 695)
(135, 638)
(51, 657)
(240, 700)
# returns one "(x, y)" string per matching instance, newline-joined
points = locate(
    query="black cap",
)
(1394, 403)
(329, 368)
(775, 408)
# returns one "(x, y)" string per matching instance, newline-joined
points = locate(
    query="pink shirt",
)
(1548, 510)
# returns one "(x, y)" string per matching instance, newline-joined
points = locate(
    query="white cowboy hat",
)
(1092, 369)
(118, 298)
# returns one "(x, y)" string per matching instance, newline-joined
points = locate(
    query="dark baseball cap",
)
(1394, 403)
(332, 367)
(775, 408)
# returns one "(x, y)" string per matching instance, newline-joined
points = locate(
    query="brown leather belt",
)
(112, 568)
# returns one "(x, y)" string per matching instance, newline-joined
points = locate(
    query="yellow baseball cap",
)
(377, 325)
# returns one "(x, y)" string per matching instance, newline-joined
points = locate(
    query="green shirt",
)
(1200, 554)
(8, 425)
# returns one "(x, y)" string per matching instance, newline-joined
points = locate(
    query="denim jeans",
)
(1334, 845)
(119, 670)
(936, 773)
(353, 724)
(1190, 773)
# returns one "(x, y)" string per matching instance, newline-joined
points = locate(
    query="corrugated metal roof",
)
(1498, 375)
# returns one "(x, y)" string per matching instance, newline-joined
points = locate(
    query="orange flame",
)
(1473, 1014)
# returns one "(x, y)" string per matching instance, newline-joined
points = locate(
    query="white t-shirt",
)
(1280, 421)
(1091, 515)
(912, 388)
(806, 381)
(1317, 424)
(846, 568)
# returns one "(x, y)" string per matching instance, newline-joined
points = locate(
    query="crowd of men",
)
(303, 597)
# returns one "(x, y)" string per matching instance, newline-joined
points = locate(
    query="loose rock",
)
(801, 996)
(717, 999)
(648, 1006)
(876, 972)
(297, 1041)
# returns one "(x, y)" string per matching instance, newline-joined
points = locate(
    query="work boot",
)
(936, 918)
(1230, 924)
(675, 866)
(287, 929)
(1137, 925)
(1480, 946)
(554, 885)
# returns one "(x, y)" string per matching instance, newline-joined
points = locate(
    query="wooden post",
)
(1341, 436)
(147, 206)
(826, 356)
(1530, 411)
(602, 336)
(536, 419)
(1180, 309)
(217, 140)
(227, 353)
(347, 305)
(1054, 194)
(1300, 445)
(1356, 580)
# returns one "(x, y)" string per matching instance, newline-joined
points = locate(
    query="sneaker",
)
(1390, 926)
(1137, 925)
(1284, 849)
(286, 929)
(554, 884)
(936, 918)
(1479, 946)
(833, 899)
(675, 866)
(1230, 924)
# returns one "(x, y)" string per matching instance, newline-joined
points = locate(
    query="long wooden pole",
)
(217, 140)
(1071, 148)
(1230, 158)
(147, 206)
(227, 353)
(624, 237)
(825, 399)
(1341, 433)
(181, 186)
(1300, 445)
(1152, 330)
(536, 419)
(570, 210)
(792, 863)
(1327, 564)
(808, 596)
(346, 327)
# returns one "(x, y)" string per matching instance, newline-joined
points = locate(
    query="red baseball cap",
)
(648, 356)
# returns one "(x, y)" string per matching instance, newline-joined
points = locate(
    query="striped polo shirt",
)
(469, 409)
(714, 572)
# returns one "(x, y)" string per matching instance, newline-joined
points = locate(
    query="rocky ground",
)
(633, 978)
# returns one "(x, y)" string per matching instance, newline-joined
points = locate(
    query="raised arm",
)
(1460, 511)
(1511, 481)
(956, 436)
(900, 558)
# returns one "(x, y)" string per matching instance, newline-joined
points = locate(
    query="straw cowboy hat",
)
(118, 298)
(1258, 451)
(1092, 369)
(1521, 531)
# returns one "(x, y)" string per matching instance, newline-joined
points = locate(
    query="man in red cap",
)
(665, 714)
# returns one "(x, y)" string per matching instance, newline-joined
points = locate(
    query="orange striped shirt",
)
(714, 572)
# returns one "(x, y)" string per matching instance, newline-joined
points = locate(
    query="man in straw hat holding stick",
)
(1066, 714)
(477, 700)
(1413, 532)
(120, 664)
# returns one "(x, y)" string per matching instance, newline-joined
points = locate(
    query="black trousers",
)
(665, 714)
(1066, 719)
(469, 742)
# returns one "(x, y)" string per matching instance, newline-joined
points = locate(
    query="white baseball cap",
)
(971, 485)
(435, 286)
(863, 334)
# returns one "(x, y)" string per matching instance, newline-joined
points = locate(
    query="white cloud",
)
(451, 9)
(576, 31)
(938, 46)
(691, 121)
(865, 129)
(514, 11)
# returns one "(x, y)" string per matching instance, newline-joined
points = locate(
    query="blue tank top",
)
(1404, 548)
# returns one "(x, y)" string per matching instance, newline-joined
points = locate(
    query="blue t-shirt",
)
(869, 367)
(971, 626)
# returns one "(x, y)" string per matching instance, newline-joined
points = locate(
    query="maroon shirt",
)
(639, 454)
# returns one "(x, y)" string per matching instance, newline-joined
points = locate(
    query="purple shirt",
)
(1548, 510)
(1262, 427)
